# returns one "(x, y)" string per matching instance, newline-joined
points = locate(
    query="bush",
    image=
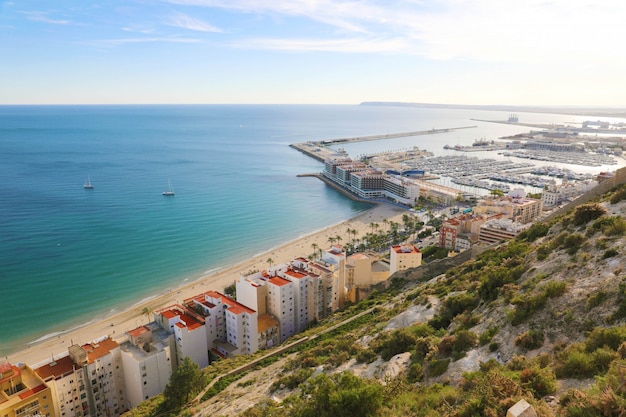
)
(540, 381)
(529, 340)
(554, 289)
(609, 253)
(587, 212)
(487, 335)
(619, 195)
(438, 367)
(366, 355)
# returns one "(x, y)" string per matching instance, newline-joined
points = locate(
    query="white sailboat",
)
(88, 185)
(170, 191)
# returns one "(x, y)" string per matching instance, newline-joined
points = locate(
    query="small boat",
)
(170, 191)
(88, 185)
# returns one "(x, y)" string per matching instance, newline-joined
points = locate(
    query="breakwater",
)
(319, 149)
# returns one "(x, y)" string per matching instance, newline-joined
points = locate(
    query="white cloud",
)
(352, 45)
(528, 31)
(43, 17)
(187, 22)
(123, 41)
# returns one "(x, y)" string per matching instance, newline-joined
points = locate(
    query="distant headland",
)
(601, 111)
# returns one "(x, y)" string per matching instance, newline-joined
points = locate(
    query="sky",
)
(498, 52)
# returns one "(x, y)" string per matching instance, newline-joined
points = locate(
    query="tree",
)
(185, 382)
(146, 312)
(270, 262)
(314, 246)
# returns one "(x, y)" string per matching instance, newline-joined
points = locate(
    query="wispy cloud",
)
(124, 41)
(529, 31)
(139, 29)
(352, 45)
(43, 17)
(184, 21)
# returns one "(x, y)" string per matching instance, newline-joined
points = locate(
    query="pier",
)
(320, 149)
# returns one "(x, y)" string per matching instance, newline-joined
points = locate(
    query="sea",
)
(70, 255)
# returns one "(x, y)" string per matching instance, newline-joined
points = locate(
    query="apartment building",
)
(231, 328)
(24, 393)
(188, 328)
(404, 257)
(147, 362)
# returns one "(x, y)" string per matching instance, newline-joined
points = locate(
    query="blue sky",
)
(524, 52)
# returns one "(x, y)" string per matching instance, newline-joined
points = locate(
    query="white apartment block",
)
(232, 328)
(147, 362)
(101, 363)
(189, 333)
(404, 257)
(556, 194)
(280, 304)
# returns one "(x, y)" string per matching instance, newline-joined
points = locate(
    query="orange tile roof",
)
(100, 349)
(5, 370)
(278, 281)
(139, 331)
(265, 322)
(295, 274)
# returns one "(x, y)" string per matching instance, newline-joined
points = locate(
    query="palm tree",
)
(314, 246)
(331, 240)
(270, 261)
(338, 238)
(146, 312)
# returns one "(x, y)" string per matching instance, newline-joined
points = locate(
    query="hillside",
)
(540, 318)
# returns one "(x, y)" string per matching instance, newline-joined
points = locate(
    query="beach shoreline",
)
(116, 325)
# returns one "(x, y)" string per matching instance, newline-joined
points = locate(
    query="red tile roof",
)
(57, 369)
(100, 349)
(278, 281)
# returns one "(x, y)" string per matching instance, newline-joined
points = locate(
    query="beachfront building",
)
(24, 393)
(336, 257)
(497, 230)
(280, 304)
(368, 183)
(147, 362)
(403, 257)
(189, 334)
(231, 327)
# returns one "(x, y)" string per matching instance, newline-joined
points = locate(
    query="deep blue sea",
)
(70, 255)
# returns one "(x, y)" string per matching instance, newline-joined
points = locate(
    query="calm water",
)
(70, 255)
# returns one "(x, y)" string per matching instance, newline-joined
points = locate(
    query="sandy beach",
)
(117, 325)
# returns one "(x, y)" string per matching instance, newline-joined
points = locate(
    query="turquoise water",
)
(70, 255)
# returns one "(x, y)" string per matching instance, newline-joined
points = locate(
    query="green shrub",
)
(438, 367)
(554, 289)
(487, 335)
(596, 299)
(609, 253)
(529, 340)
(366, 355)
(540, 381)
(619, 195)
(587, 212)
(611, 337)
